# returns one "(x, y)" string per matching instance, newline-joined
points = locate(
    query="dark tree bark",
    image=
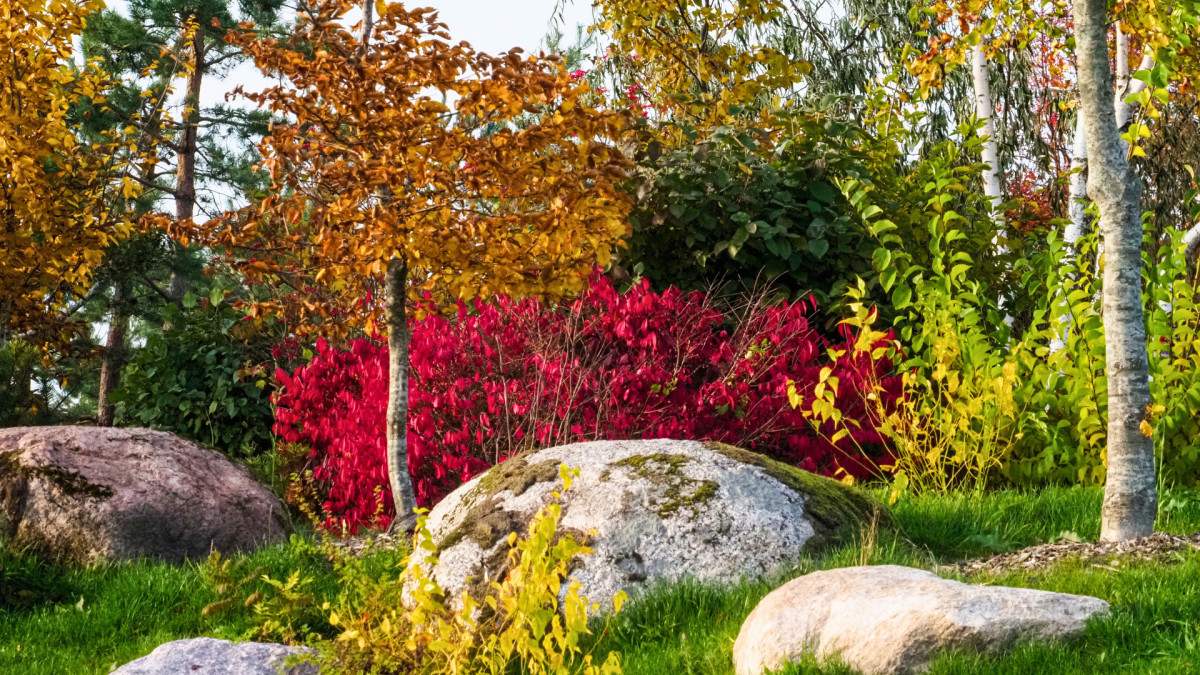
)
(403, 497)
(115, 356)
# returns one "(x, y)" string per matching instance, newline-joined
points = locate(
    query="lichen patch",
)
(665, 471)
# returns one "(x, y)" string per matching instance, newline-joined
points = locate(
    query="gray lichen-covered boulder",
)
(208, 656)
(893, 620)
(660, 510)
(82, 494)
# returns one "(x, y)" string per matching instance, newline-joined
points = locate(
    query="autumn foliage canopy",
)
(59, 193)
(484, 174)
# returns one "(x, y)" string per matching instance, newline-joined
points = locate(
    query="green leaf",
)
(822, 192)
(216, 295)
(881, 259)
(887, 277)
(1160, 75)
(189, 300)
(739, 237)
(818, 247)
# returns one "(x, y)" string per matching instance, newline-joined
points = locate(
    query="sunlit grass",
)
(681, 629)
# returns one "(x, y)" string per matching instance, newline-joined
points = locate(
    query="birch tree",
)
(1130, 499)
(985, 111)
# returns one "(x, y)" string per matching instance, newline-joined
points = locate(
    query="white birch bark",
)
(1077, 210)
(985, 112)
(1126, 85)
(1130, 500)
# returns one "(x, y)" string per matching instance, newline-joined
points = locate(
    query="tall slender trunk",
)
(1077, 208)
(396, 294)
(1125, 84)
(114, 356)
(1120, 66)
(185, 170)
(1130, 500)
(368, 24)
(985, 111)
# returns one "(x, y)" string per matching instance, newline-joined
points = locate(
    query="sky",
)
(489, 25)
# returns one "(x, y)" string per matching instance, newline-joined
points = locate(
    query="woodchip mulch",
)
(1158, 547)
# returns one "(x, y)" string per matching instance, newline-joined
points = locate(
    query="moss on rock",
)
(488, 524)
(666, 470)
(835, 507)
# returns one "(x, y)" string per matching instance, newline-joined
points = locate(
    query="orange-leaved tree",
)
(60, 196)
(383, 194)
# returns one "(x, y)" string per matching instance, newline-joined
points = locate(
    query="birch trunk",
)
(985, 112)
(114, 357)
(403, 498)
(1077, 210)
(1130, 500)
(1127, 87)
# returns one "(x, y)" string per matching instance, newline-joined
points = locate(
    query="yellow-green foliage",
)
(984, 401)
(960, 407)
(526, 622)
(532, 619)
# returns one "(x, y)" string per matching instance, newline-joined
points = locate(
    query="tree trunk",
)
(1126, 85)
(114, 356)
(1077, 209)
(185, 169)
(368, 24)
(1130, 500)
(985, 111)
(403, 498)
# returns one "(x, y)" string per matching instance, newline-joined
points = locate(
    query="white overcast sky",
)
(489, 25)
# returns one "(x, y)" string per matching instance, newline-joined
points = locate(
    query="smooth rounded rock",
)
(82, 494)
(890, 619)
(208, 656)
(660, 510)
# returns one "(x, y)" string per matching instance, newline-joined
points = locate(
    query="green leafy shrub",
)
(203, 379)
(733, 208)
(18, 403)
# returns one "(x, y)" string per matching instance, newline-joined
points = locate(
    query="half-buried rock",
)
(895, 620)
(207, 656)
(83, 494)
(660, 509)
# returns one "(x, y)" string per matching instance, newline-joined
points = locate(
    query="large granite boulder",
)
(895, 620)
(208, 656)
(83, 494)
(660, 510)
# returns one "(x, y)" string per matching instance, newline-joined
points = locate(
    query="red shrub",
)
(507, 375)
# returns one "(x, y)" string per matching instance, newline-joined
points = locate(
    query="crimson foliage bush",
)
(507, 375)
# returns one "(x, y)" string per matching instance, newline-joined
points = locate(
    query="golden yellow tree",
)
(702, 62)
(384, 193)
(59, 194)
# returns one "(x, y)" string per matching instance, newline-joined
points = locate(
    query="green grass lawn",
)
(55, 621)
